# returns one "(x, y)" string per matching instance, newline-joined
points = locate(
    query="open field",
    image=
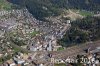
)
(83, 12)
(34, 33)
(61, 64)
(5, 5)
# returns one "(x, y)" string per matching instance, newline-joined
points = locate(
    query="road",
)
(75, 50)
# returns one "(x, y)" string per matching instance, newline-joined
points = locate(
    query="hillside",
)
(5, 5)
(45, 8)
(82, 31)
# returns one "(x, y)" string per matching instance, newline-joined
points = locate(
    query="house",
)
(68, 21)
(18, 60)
(49, 48)
(1, 54)
(41, 65)
(8, 24)
(11, 63)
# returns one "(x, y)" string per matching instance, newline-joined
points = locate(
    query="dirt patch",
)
(72, 15)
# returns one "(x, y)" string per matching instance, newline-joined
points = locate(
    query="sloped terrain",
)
(5, 5)
(45, 8)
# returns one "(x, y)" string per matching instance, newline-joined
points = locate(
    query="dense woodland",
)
(44, 8)
(87, 29)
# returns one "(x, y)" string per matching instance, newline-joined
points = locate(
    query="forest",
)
(46, 8)
(81, 31)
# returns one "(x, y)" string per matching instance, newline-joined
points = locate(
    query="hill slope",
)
(44, 8)
(82, 31)
(5, 5)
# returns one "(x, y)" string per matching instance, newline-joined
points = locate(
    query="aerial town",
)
(39, 41)
(27, 41)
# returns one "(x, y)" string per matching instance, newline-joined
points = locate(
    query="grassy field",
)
(60, 49)
(85, 13)
(34, 33)
(5, 5)
(61, 64)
